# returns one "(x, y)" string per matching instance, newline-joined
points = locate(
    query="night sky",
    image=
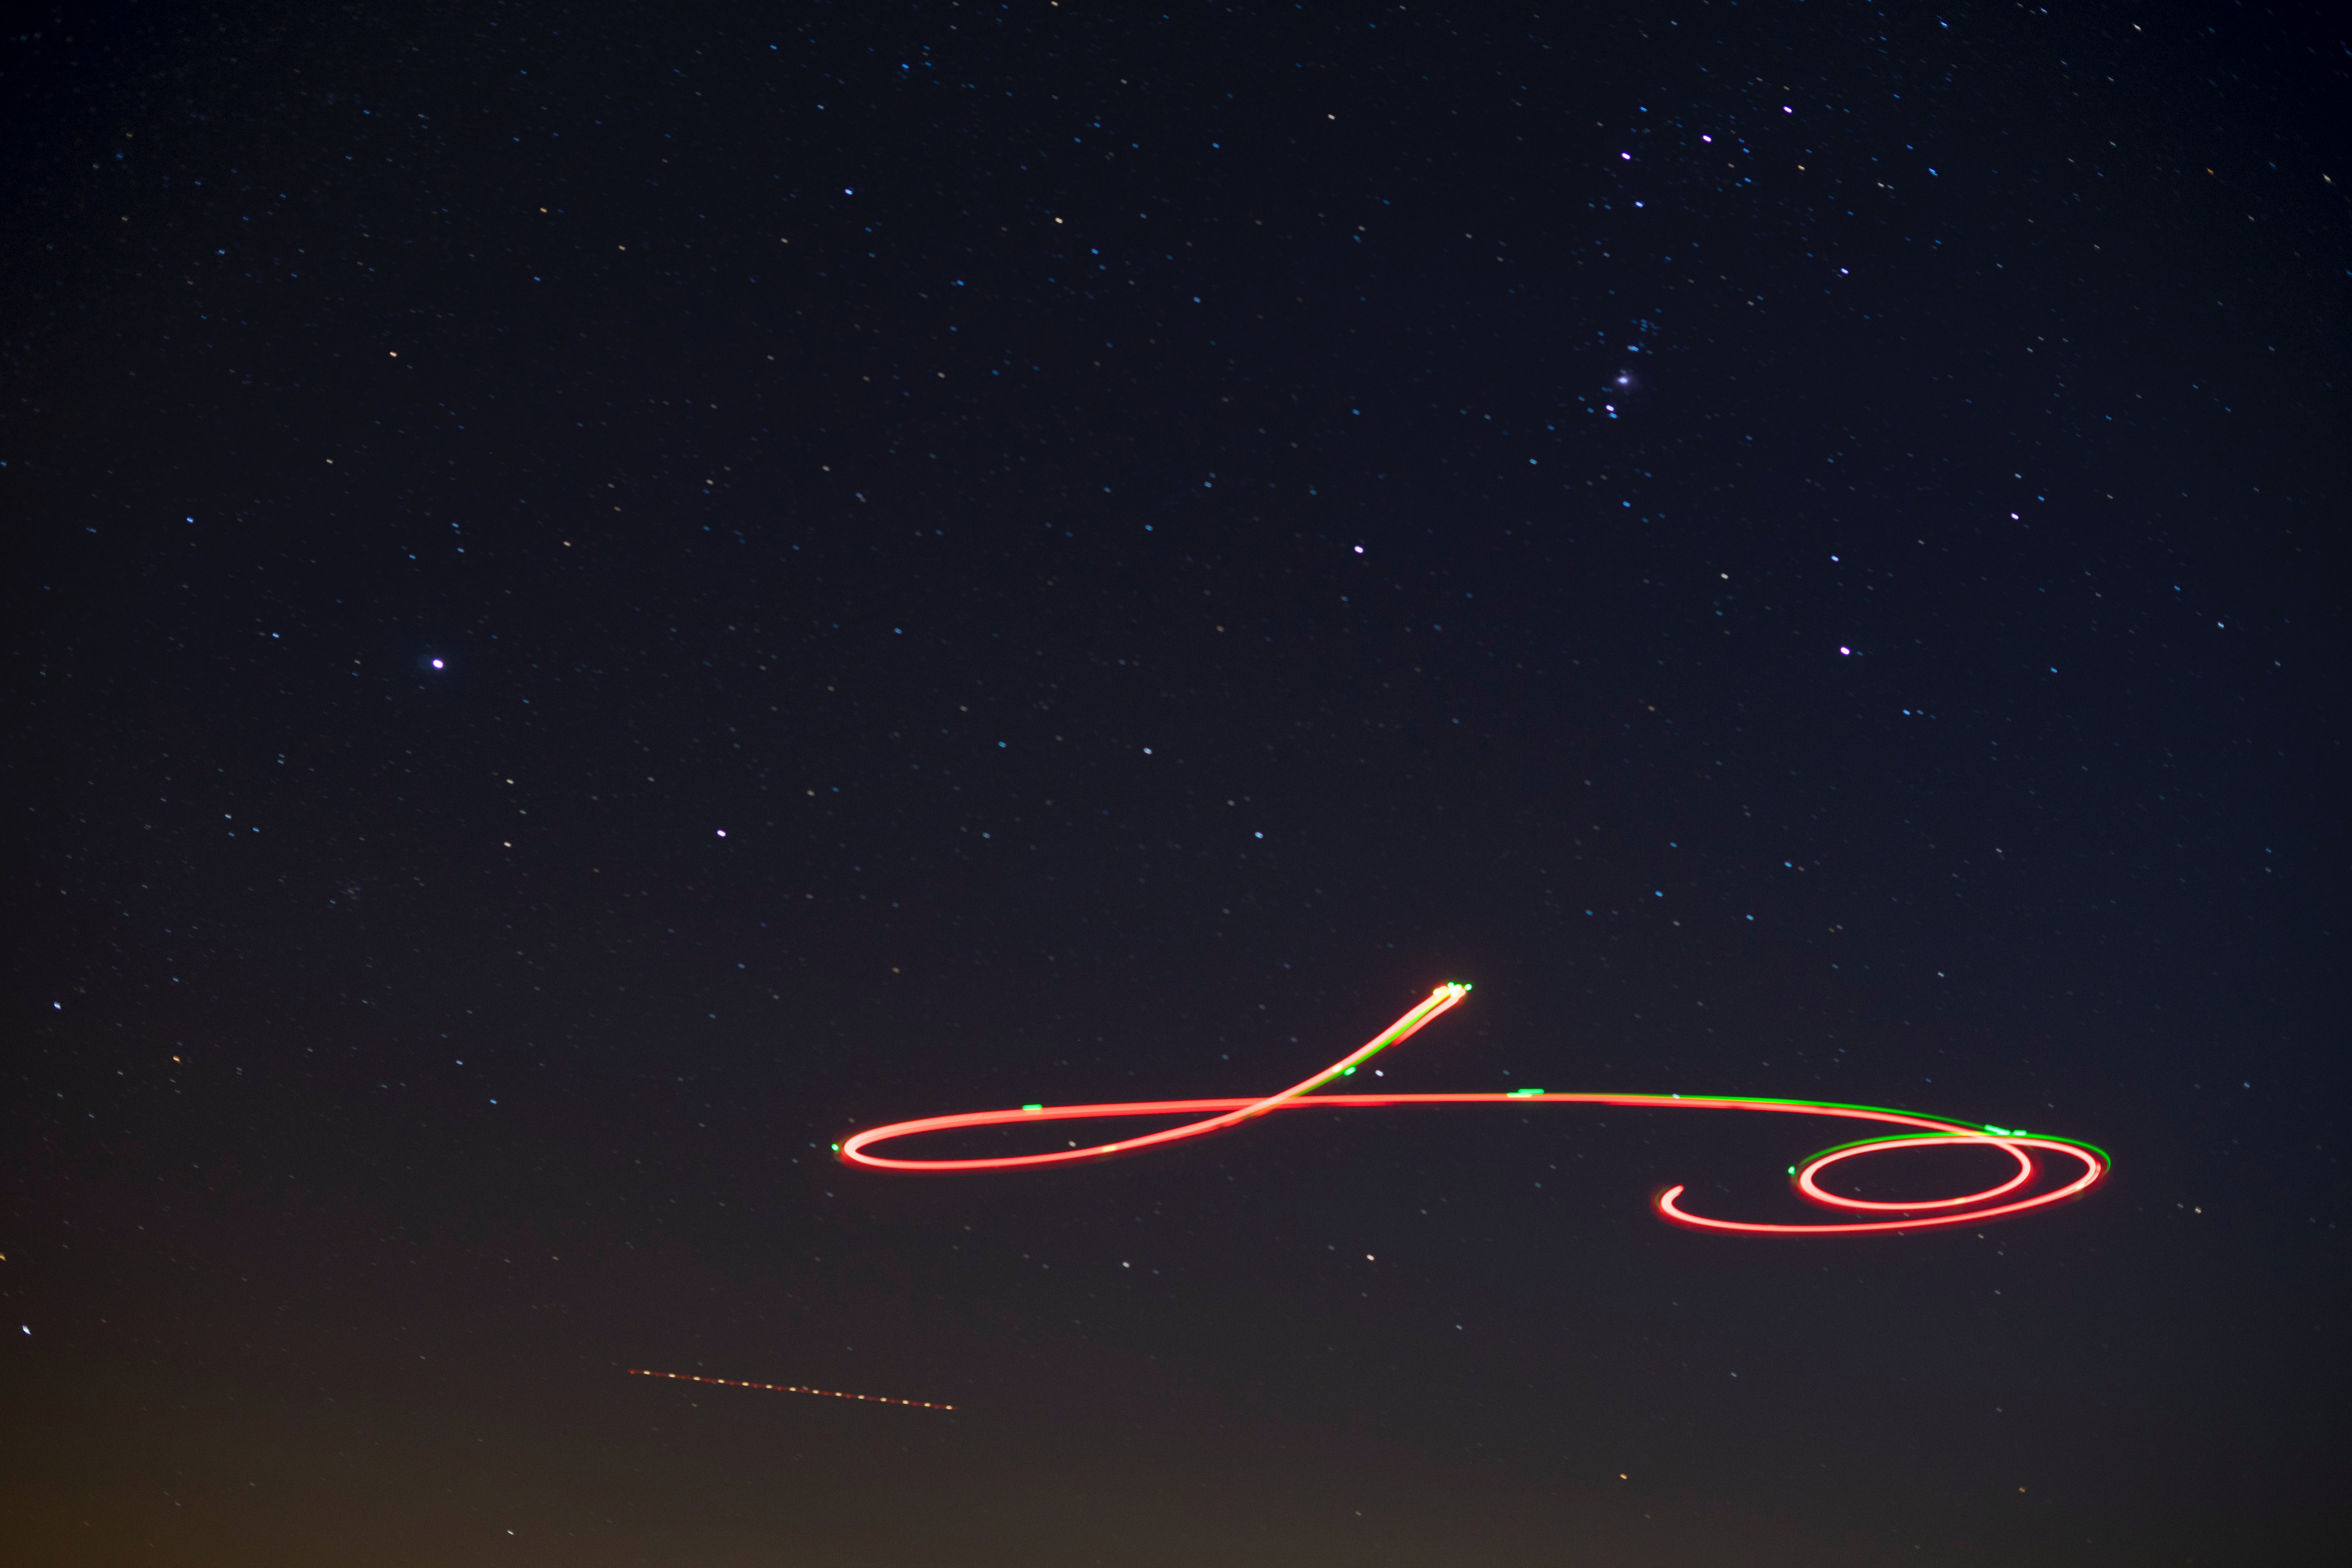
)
(600, 597)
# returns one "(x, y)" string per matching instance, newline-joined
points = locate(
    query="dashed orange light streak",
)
(1919, 1132)
(790, 1388)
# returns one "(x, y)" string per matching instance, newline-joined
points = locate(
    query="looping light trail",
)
(789, 1388)
(1919, 1132)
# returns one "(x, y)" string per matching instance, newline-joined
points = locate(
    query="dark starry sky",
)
(599, 597)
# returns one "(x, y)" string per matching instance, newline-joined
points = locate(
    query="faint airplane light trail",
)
(790, 1388)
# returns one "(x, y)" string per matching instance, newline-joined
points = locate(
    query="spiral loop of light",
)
(2027, 1189)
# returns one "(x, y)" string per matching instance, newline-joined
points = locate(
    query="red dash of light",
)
(790, 1388)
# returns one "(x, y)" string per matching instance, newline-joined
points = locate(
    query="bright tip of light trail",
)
(790, 1388)
(2026, 1188)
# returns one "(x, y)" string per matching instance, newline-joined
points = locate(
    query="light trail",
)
(1216, 1115)
(790, 1388)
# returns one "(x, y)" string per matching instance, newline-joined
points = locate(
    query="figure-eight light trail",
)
(2025, 1188)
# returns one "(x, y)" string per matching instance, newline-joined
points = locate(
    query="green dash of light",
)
(1349, 1073)
(2002, 1130)
(1037, 1107)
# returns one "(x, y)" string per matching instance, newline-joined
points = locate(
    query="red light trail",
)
(790, 1388)
(1919, 1132)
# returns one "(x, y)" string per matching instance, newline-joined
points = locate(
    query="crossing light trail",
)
(2080, 1167)
(790, 1388)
